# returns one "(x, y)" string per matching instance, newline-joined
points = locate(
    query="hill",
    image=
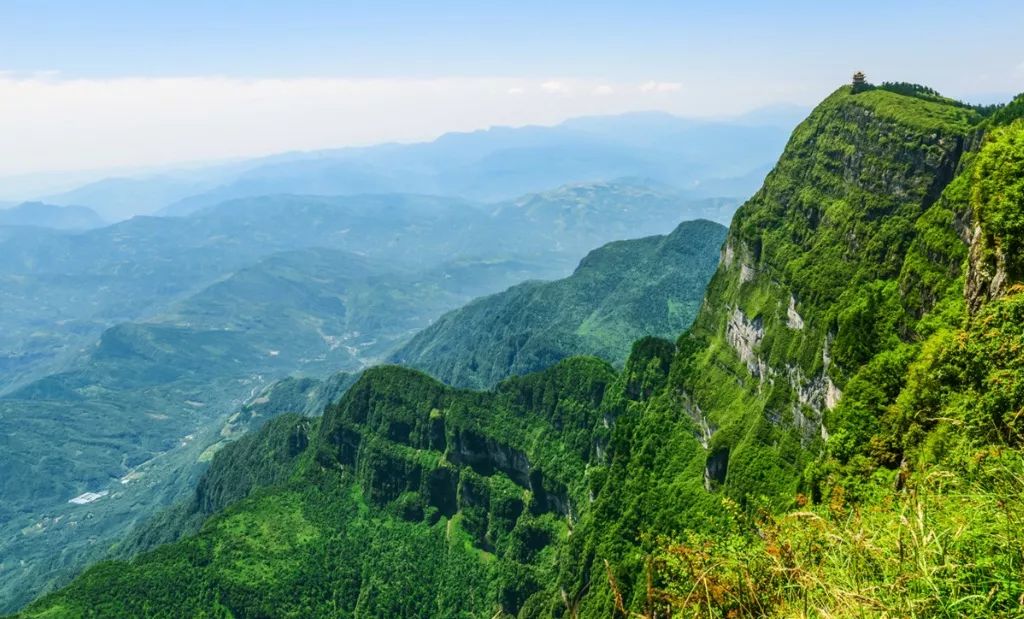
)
(618, 293)
(141, 410)
(60, 291)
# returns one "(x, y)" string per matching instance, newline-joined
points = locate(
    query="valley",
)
(182, 321)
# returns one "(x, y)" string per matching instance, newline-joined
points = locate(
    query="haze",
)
(117, 84)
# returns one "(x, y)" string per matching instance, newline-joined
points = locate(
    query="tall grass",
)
(947, 544)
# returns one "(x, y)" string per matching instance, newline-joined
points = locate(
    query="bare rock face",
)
(747, 273)
(986, 270)
(728, 255)
(745, 335)
(793, 319)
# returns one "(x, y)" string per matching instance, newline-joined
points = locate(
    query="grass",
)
(942, 547)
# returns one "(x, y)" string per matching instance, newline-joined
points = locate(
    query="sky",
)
(101, 84)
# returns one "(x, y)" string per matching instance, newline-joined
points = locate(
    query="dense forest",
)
(618, 293)
(838, 434)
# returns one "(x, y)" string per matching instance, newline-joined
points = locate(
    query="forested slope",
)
(618, 293)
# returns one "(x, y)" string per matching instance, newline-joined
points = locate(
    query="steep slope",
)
(783, 391)
(401, 503)
(857, 363)
(619, 293)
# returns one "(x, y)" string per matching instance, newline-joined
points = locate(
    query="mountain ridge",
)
(618, 293)
(489, 165)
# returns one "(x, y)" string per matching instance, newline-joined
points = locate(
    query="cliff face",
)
(406, 437)
(996, 195)
(829, 278)
(807, 260)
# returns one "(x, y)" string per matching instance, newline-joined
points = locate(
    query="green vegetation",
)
(620, 292)
(839, 434)
(138, 343)
(912, 505)
(397, 503)
(139, 411)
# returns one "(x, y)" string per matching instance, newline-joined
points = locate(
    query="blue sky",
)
(693, 58)
(445, 38)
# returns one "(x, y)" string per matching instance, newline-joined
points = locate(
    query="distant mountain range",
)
(59, 290)
(710, 158)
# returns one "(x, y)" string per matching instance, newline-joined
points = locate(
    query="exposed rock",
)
(986, 270)
(728, 255)
(745, 336)
(832, 393)
(486, 455)
(704, 428)
(747, 273)
(793, 319)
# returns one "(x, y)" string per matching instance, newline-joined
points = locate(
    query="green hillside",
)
(141, 411)
(619, 293)
(839, 433)
(135, 342)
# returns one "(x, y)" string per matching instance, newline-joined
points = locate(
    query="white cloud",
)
(555, 86)
(48, 122)
(661, 87)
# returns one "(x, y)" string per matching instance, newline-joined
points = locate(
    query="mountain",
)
(394, 426)
(60, 291)
(50, 216)
(838, 434)
(143, 409)
(121, 198)
(490, 165)
(144, 191)
(140, 339)
(502, 163)
(618, 293)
